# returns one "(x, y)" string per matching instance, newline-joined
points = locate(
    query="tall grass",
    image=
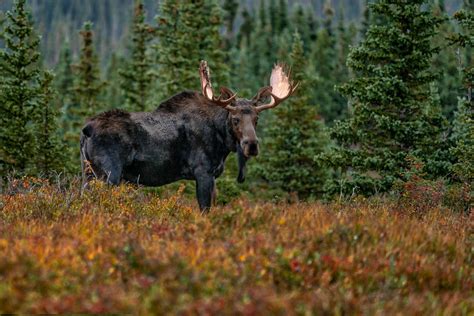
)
(122, 250)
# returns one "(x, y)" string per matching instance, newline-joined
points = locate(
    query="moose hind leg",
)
(204, 190)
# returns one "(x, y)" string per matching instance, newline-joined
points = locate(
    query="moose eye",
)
(235, 120)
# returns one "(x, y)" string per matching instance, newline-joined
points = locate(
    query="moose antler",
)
(281, 87)
(207, 92)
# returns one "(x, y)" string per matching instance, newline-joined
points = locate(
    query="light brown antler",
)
(206, 88)
(281, 87)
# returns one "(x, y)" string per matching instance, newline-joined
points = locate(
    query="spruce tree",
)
(49, 155)
(282, 15)
(261, 53)
(324, 62)
(188, 31)
(137, 77)
(463, 125)
(393, 113)
(64, 78)
(294, 137)
(114, 93)
(445, 63)
(366, 19)
(243, 37)
(304, 22)
(19, 78)
(63, 83)
(86, 92)
(231, 8)
(87, 89)
(2, 22)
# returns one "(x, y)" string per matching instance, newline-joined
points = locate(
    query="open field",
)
(123, 250)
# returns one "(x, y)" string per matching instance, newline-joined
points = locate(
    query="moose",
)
(188, 136)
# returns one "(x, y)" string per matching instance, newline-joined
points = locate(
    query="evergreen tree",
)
(114, 93)
(88, 85)
(365, 23)
(394, 116)
(137, 77)
(19, 78)
(324, 61)
(49, 155)
(246, 28)
(304, 22)
(463, 125)
(87, 89)
(64, 79)
(63, 84)
(446, 64)
(188, 31)
(2, 22)
(282, 17)
(261, 52)
(273, 12)
(294, 137)
(463, 140)
(231, 8)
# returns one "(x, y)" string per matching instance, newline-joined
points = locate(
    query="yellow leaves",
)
(91, 255)
(281, 221)
(3, 243)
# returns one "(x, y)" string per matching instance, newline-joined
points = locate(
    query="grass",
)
(122, 250)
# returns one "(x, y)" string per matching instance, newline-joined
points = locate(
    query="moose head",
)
(244, 113)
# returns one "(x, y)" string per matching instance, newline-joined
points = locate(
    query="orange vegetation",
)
(120, 250)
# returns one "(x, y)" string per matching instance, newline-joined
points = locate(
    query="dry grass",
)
(120, 250)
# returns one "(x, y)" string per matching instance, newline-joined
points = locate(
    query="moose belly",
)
(150, 174)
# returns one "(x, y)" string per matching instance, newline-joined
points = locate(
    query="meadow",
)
(125, 250)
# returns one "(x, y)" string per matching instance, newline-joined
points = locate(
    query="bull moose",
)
(188, 136)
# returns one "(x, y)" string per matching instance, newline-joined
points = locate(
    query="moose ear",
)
(226, 93)
(88, 130)
(262, 94)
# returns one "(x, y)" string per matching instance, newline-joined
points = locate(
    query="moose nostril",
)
(245, 142)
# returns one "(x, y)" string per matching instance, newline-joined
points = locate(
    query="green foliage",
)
(87, 90)
(394, 114)
(324, 57)
(137, 77)
(188, 31)
(19, 82)
(2, 22)
(63, 83)
(446, 64)
(245, 28)
(114, 93)
(88, 85)
(230, 8)
(294, 137)
(49, 152)
(463, 140)
(29, 141)
(463, 125)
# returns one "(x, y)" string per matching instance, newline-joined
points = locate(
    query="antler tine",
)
(282, 86)
(208, 93)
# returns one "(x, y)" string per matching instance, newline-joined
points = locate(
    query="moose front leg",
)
(205, 186)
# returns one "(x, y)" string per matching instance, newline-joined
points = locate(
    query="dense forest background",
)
(59, 20)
